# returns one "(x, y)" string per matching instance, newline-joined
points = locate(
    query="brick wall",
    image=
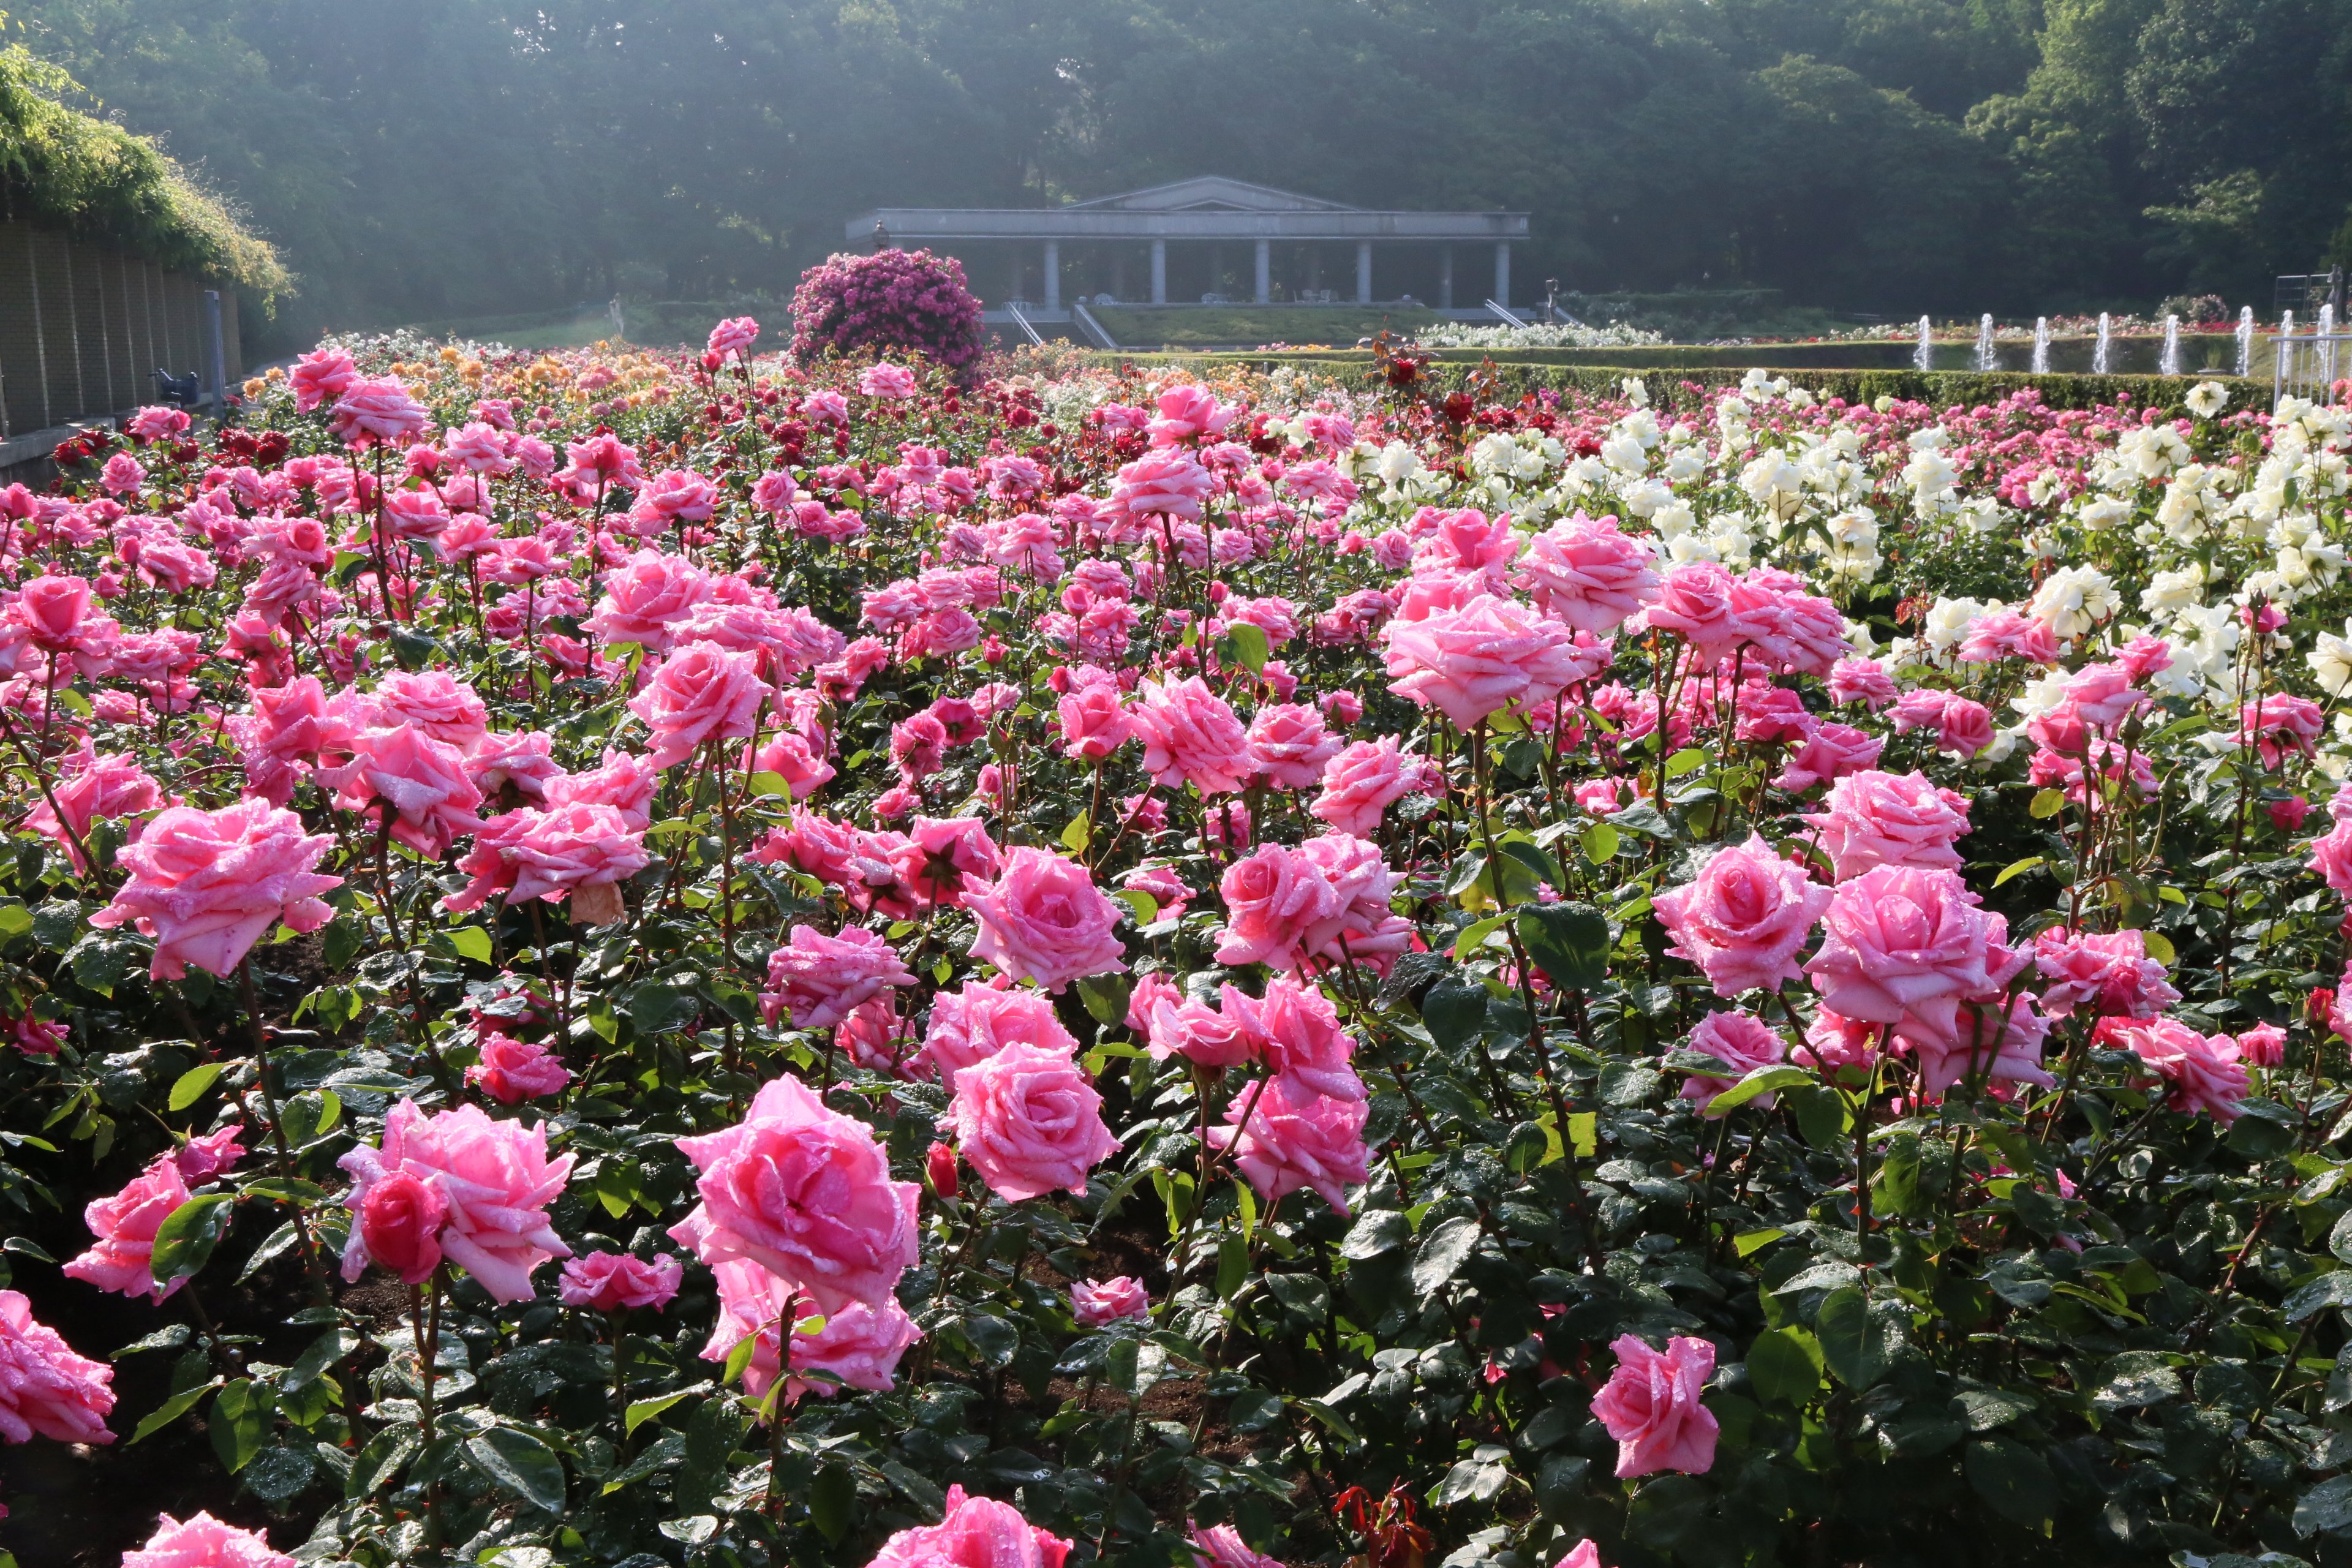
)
(83, 329)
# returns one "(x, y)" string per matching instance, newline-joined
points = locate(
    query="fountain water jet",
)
(2100, 354)
(2042, 345)
(2245, 340)
(1925, 359)
(1986, 358)
(2170, 363)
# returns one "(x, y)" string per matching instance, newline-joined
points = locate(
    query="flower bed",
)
(632, 960)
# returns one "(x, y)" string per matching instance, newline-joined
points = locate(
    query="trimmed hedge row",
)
(1671, 385)
(95, 180)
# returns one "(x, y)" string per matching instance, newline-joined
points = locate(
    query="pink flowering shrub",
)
(893, 300)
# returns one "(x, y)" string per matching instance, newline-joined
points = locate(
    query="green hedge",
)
(1671, 385)
(99, 182)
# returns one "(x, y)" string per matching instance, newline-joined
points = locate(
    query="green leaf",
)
(185, 1241)
(1852, 1337)
(1105, 996)
(16, 919)
(1785, 1366)
(1568, 942)
(190, 1085)
(2048, 803)
(2329, 1291)
(1247, 646)
(471, 941)
(381, 1460)
(739, 1358)
(172, 1409)
(2018, 868)
(1443, 1252)
(769, 783)
(1689, 760)
(1455, 1009)
(2160, 947)
(1600, 841)
(325, 1351)
(1757, 1084)
(2327, 1506)
(2013, 1480)
(1375, 1232)
(1077, 834)
(239, 1421)
(644, 1410)
(520, 1463)
(832, 1500)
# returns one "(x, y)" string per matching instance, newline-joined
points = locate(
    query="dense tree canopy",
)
(450, 156)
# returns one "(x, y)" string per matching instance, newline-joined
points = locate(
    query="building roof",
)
(1207, 208)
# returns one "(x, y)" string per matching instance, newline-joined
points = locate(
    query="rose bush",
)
(730, 959)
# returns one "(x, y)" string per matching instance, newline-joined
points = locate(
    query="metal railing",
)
(1086, 320)
(2309, 364)
(1508, 318)
(1013, 307)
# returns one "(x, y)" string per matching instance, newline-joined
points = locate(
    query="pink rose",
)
(2263, 1046)
(1827, 753)
(2102, 697)
(1863, 680)
(1276, 905)
(644, 599)
(806, 1193)
(1285, 1136)
(735, 335)
(1978, 1038)
(447, 708)
(820, 980)
(1737, 1040)
(495, 1178)
(399, 1225)
(1173, 1026)
(202, 1159)
(207, 885)
(1745, 917)
(610, 1281)
(1651, 1406)
(582, 851)
(125, 1225)
(1165, 484)
(625, 782)
(1963, 728)
(2203, 1072)
(1289, 745)
(1296, 1031)
(422, 787)
(1584, 1555)
(1028, 1120)
(942, 856)
(511, 1071)
(1099, 1303)
(203, 1541)
(702, 692)
(1831, 1042)
(1361, 781)
(45, 1387)
(968, 1028)
(859, 1346)
(94, 788)
(320, 376)
(1900, 940)
(372, 409)
(1221, 1546)
(977, 1532)
(1485, 655)
(1696, 604)
(1042, 918)
(2111, 972)
(1190, 735)
(1587, 575)
(1094, 724)
(1890, 819)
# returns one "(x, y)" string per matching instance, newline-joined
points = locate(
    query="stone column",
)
(1445, 278)
(1363, 272)
(1265, 271)
(1503, 273)
(1159, 272)
(1053, 275)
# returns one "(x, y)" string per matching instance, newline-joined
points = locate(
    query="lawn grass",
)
(1188, 326)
